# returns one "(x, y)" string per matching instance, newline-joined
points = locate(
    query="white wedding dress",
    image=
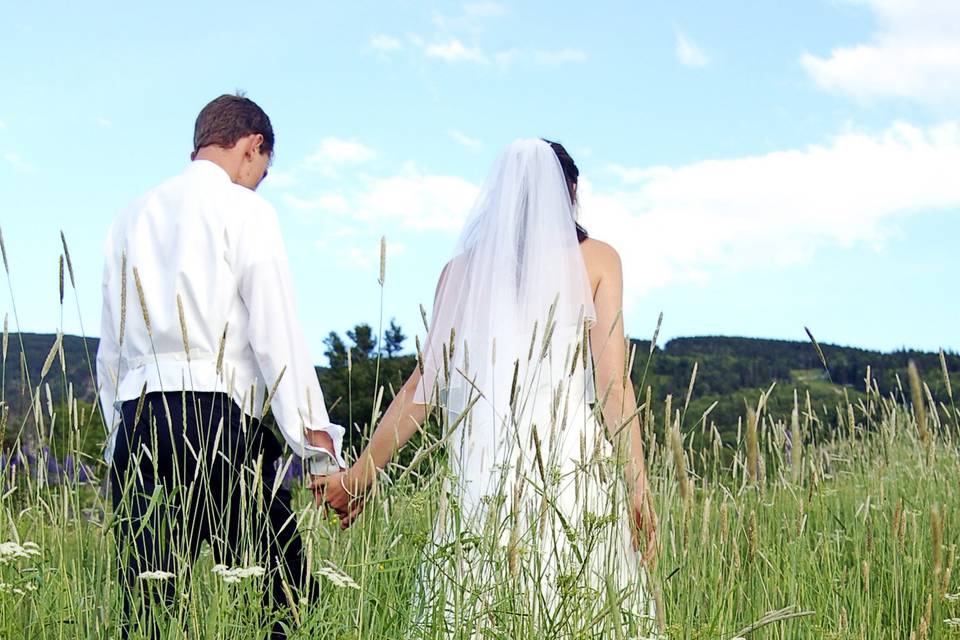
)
(533, 531)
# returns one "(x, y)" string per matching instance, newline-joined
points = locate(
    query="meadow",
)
(783, 534)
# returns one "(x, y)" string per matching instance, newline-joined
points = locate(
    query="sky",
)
(760, 166)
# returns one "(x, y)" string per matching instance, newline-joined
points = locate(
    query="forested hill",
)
(729, 363)
(731, 371)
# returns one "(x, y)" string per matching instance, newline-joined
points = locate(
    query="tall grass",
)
(851, 537)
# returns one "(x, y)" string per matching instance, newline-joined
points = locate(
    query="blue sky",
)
(761, 166)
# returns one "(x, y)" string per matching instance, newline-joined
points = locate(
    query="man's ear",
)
(252, 145)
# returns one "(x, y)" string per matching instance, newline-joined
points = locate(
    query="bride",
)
(525, 362)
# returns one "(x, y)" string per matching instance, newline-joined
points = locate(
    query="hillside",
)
(732, 371)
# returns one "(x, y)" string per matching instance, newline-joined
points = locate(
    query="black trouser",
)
(176, 483)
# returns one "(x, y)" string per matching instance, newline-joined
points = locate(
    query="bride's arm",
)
(614, 388)
(399, 422)
(344, 491)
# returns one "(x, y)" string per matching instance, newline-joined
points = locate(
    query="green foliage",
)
(860, 545)
(733, 372)
(350, 391)
(364, 342)
(393, 339)
(336, 351)
(26, 364)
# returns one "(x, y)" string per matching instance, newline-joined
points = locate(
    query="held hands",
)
(645, 522)
(343, 491)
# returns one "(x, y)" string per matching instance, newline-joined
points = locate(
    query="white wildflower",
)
(248, 572)
(952, 622)
(337, 578)
(12, 551)
(236, 574)
(17, 591)
(156, 575)
(951, 597)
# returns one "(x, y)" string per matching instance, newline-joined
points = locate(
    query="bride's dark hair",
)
(572, 174)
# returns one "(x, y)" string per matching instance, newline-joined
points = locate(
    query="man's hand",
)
(334, 491)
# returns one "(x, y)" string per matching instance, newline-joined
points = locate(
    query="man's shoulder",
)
(253, 201)
(194, 188)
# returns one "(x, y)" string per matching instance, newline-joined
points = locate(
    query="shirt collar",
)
(208, 168)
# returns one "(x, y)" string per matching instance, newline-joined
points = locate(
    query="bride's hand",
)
(644, 520)
(340, 491)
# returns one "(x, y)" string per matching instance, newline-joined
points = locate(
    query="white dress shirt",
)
(217, 246)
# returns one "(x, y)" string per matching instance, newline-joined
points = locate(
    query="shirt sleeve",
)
(109, 363)
(277, 339)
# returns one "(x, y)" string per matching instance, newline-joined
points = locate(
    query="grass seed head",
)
(936, 534)
(183, 327)
(919, 406)
(3, 250)
(143, 301)
(383, 260)
(66, 254)
(61, 279)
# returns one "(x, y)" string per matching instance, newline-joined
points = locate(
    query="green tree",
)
(393, 339)
(364, 342)
(336, 351)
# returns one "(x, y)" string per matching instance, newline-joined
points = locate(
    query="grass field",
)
(855, 541)
(849, 537)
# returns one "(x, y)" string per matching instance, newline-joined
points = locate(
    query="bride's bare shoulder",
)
(599, 255)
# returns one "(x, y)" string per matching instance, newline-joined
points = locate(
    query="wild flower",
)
(156, 575)
(12, 551)
(236, 574)
(338, 578)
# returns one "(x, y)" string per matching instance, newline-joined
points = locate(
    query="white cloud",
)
(465, 140)
(104, 122)
(16, 161)
(328, 203)
(683, 224)
(915, 54)
(417, 200)
(543, 57)
(410, 199)
(367, 258)
(335, 152)
(689, 53)
(354, 257)
(454, 51)
(385, 44)
(507, 57)
(3, 125)
(280, 179)
(559, 56)
(484, 9)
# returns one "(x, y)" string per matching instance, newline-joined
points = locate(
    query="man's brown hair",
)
(227, 119)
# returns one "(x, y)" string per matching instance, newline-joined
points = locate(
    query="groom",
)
(199, 335)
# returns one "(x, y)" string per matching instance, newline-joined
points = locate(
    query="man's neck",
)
(222, 158)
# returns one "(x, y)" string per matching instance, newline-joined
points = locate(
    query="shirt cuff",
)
(321, 461)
